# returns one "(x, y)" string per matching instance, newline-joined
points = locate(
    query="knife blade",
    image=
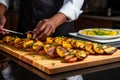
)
(11, 31)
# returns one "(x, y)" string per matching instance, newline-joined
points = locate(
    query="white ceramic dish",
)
(98, 36)
(95, 40)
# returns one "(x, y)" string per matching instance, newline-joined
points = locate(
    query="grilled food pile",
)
(70, 49)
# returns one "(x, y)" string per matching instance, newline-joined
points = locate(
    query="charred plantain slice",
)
(71, 60)
(98, 48)
(50, 50)
(68, 55)
(109, 49)
(58, 40)
(80, 44)
(68, 39)
(68, 58)
(7, 39)
(37, 45)
(50, 40)
(46, 46)
(73, 43)
(29, 35)
(67, 44)
(81, 54)
(61, 51)
(16, 40)
(89, 47)
(20, 43)
(28, 43)
(41, 51)
(13, 41)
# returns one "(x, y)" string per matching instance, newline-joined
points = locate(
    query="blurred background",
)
(97, 13)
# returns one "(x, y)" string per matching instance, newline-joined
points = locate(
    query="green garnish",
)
(71, 53)
(53, 64)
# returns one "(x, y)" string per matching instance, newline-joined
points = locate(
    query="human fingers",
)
(2, 21)
(47, 32)
(39, 29)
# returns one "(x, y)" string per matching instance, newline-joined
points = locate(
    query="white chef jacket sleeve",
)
(5, 2)
(72, 9)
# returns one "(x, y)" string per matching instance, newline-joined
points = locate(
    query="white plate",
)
(100, 37)
(95, 40)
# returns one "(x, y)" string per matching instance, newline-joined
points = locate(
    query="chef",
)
(44, 17)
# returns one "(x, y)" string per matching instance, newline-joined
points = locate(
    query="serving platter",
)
(100, 33)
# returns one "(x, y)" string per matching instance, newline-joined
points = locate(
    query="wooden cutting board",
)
(53, 66)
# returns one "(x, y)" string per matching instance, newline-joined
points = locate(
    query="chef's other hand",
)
(2, 23)
(47, 27)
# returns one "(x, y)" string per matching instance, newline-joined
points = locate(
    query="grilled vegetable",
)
(89, 47)
(109, 49)
(73, 59)
(61, 51)
(38, 45)
(41, 51)
(50, 50)
(49, 40)
(20, 43)
(70, 58)
(80, 44)
(7, 39)
(58, 40)
(67, 44)
(16, 40)
(98, 48)
(28, 43)
(29, 35)
(68, 55)
(81, 54)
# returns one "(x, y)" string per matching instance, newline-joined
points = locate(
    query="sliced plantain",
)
(89, 47)
(28, 43)
(37, 45)
(61, 51)
(81, 54)
(29, 35)
(67, 44)
(73, 43)
(41, 52)
(50, 40)
(71, 60)
(50, 50)
(20, 44)
(109, 49)
(16, 40)
(7, 39)
(58, 40)
(80, 44)
(98, 48)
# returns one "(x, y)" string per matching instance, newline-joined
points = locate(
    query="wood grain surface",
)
(53, 66)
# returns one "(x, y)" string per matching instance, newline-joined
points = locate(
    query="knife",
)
(15, 32)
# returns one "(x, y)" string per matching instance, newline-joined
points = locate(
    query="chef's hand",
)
(47, 27)
(2, 23)
(2, 18)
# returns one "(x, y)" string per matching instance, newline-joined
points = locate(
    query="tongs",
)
(15, 32)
